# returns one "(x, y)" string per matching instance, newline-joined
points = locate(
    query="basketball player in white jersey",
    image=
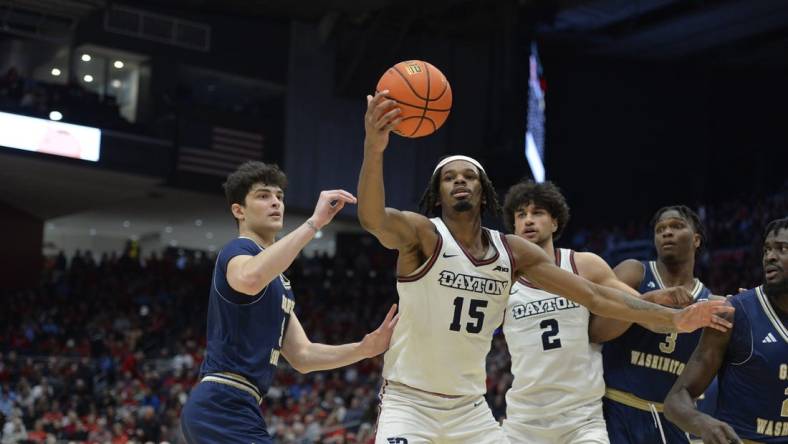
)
(556, 395)
(454, 281)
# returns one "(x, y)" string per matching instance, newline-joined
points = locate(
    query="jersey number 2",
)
(549, 340)
(474, 311)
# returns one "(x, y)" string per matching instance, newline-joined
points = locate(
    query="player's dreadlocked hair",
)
(775, 226)
(545, 195)
(431, 196)
(686, 213)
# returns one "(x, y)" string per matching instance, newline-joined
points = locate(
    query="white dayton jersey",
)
(554, 366)
(449, 309)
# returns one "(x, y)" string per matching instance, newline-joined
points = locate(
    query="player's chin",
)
(274, 225)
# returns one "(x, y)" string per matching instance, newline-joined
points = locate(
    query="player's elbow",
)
(671, 405)
(369, 222)
(301, 368)
(299, 360)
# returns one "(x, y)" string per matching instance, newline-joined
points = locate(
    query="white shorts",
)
(411, 416)
(583, 425)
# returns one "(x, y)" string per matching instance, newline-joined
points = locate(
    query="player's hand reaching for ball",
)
(704, 314)
(377, 342)
(328, 205)
(381, 117)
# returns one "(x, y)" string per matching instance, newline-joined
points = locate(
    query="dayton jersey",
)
(555, 368)
(753, 378)
(449, 309)
(245, 332)
(646, 364)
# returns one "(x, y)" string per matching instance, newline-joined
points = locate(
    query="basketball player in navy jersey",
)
(251, 320)
(556, 395)
(454, 278)
(750, 360)
(640, 366)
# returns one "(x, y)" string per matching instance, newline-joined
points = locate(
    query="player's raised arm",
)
(251, 274)
(626, 277)
(393, 228)
(697, 375)
(533, 263)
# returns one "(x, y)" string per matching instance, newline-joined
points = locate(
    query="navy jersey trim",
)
(238, 298)
(771, 314)
(741, 309)
(697, 289)
(418, 274)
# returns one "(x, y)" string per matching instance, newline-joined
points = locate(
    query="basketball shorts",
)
(412, 416)
(630, 425)
(220, 414)
(583, 425)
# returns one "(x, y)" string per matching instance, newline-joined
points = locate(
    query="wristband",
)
(312, 226)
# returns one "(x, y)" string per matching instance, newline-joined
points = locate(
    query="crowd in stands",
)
(105, 349)
(28, 96)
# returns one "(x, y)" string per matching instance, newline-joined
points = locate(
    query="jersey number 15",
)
(474, 311)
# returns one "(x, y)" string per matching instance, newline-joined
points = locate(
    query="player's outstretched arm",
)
(533, 263)
(394, 229)
(250, 274)
(697, 375)
(306, 356)
(626, 277)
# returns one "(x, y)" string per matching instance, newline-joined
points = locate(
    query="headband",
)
(458, 157)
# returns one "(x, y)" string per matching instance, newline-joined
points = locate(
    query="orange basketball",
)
(422, 93)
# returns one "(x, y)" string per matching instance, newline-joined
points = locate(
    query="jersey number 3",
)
(474, 311)
(549, 340)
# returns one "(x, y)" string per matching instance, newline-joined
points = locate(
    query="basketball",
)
(422, 93)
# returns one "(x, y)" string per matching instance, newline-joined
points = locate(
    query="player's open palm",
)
(377, 342)
(704, 314)
(714, 431)
(329, 204)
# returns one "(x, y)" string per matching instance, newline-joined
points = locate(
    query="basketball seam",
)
(409, 85)
(445, 87)
(426, 101)
(439, 110)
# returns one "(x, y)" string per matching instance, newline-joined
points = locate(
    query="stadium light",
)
(118, 64)
(87, 78)
(55, 115)
(86, 57)
(55, 72)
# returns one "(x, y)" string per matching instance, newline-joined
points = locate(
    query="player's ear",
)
(238, 211)
(696, 240)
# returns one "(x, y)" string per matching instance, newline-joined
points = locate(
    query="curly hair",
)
(775, 227)
(240, 181)
(431, 196)
(687, 214)
(545, 195)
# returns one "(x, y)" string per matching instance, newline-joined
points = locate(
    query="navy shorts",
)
(628, 425)
(219, 414)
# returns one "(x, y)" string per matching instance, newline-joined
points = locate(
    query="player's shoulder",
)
(240, 246)
(587, 258)
(745, 297)
(244, 243)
